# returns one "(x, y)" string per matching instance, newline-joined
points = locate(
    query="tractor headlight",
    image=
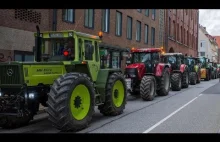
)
(0, 94)
(31, 95)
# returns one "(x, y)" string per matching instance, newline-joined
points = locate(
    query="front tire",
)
(71, 102)
(116, 94)
(148, 88)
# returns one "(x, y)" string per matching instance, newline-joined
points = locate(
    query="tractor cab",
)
(146, 57)
(204, 62)
(191, 62)
(174, 59)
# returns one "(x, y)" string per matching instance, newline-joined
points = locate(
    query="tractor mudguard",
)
(182, 68)
(160, 68)
(102, 79)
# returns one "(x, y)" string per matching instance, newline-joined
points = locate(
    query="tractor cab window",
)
(89, 50)
(59, 49)
(140, 57)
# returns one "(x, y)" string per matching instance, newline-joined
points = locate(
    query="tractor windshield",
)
(191, 61)
(143, 57)
(202, 62)
(59, 49)
(218, 65)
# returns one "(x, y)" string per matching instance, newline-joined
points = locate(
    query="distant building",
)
(218, 42)
(207, 45)
(181, 31)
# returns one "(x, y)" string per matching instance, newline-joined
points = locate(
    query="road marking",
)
(200, 95)
(161, 121)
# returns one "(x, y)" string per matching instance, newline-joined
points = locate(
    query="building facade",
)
(125, 28)
(204, 46)
(218, 43)
(181, 31)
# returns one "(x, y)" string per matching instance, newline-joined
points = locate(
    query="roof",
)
(218, 41)
(166, 54)
(146, 50)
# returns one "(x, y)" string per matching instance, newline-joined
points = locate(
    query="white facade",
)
(204, 44)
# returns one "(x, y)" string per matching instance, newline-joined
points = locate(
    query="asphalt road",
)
(192, 110)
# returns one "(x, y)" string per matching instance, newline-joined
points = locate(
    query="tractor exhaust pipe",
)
(38, 45)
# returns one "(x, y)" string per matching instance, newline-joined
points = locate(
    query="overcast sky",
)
(210, 18)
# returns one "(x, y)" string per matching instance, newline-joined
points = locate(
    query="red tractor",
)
(179, 70)
(145, 75)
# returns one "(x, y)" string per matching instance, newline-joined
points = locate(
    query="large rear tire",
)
(192, 78)
(148, 88)
(164, 84)
(176, 82)
(116, 95)
(71, 102)
(185, 81)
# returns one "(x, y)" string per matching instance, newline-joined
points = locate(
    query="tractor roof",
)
(66, 34)
(146, 50)
(171, 54)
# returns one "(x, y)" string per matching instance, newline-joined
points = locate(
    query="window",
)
(139, 10)
(169, 26)
(202, 53)
(69, 15)
(138, 31)
(147, 12)
(201, 44)
(181, 34)
(29, 58)
(89, 48)
(178, 32)
(174, 29)
(118, 23)
(146, 34)
(129, 27)
(89, 18)
(152, 36)
(153, 14)
(115, 60)
(23, 56)
(18, 57)
(105, 20)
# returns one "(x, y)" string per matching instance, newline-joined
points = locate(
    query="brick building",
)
(181, 31)
(218, 42)
(121, 27)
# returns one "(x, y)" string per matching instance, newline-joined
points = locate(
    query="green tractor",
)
(66, 77)
(214, 70)
(194, 70)
(205, 68)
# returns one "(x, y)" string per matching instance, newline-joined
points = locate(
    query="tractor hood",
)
(136, 65)
(140, 67)
(32, 73)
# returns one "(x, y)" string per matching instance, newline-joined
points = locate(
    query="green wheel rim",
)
(118, 93)
(80, 102)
